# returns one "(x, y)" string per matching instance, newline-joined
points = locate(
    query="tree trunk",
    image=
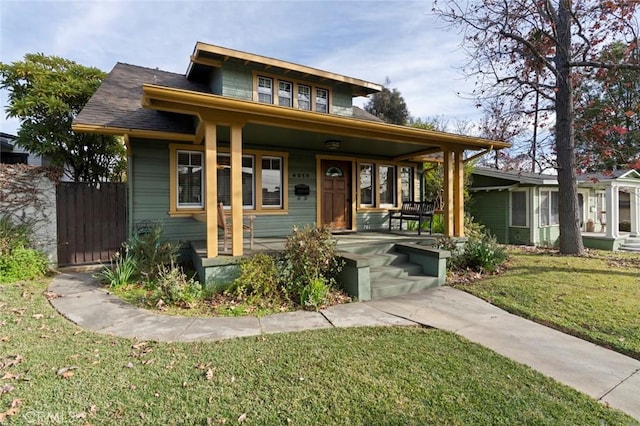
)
(570, 235)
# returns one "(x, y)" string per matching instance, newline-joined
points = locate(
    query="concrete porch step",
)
(400, 270)
(389, 287)
(631, 244)
(387, 259)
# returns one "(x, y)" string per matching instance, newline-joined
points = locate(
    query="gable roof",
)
(517, 176)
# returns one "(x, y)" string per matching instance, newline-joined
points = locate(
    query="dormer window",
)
(322, 100)
(304, 97)
(265, 90)
(291, 93)
(285, 93)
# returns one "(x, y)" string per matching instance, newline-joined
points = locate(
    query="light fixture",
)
(333, 144)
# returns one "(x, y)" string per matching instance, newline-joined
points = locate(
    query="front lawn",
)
(52, 372)
(596, 297)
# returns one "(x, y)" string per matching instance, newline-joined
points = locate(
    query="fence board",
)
(92, 222)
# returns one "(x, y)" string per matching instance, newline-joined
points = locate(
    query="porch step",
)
(388, 287)
(631, 244)
(390, 271)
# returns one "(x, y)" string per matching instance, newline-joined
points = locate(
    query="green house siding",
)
(149, 186)
(342, 101)
(519, 235)
(237, 81)
(492, 210)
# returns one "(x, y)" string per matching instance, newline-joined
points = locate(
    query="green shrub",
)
(314, 294)
(22, 263)
(259, 280)
(150, 251)
(484, 254)
(174, 287)
(120, 271)
(18, 260)
(310, 253)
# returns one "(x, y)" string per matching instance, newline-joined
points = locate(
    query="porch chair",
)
(226, 227)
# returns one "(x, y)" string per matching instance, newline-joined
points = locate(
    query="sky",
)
(369, 40)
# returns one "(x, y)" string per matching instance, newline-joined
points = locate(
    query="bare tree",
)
(526, 49)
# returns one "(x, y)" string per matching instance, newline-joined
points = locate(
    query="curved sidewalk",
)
(605, 375)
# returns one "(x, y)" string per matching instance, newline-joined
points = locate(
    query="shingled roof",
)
(117, 102)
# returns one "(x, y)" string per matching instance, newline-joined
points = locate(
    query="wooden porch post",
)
(458, 193)
(211, 189)
(236, 190)
(448, 194)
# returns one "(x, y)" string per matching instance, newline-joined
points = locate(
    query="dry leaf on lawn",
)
(209, 374)
(66, 372)
(51, 295)
(4, 339)
(38, 316)
(6, 389)
(242, 417)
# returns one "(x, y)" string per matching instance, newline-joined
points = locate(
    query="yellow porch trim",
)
(236, 190)
(448, 194)
(211, 188)
(458, 191)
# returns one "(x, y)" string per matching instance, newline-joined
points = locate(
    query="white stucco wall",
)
(28, 195)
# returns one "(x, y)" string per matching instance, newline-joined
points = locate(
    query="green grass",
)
(354, 376)
(595, 297)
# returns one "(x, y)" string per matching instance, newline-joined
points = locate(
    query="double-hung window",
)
(304, 97)
(322, 100)
(190, 179)
(549, 208)
(388, 186)
(265, 90)
(224, 180)
(285, 93)
(406, 183)
(518, 208)
(271, 181)
(367, 185)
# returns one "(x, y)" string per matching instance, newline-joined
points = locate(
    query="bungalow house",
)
(268, 138)
(522, 208)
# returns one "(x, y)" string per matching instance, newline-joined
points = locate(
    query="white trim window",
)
(518, 208)
(549, 208)
(271, 176)
(285, 93)
(304, 97)
(190, 169)
(265, 90)
(322, 100)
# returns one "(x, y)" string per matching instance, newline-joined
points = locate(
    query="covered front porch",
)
(376, 264)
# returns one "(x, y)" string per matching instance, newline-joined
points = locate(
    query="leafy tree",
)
(608, 116)
(388, 105)
(46, 93)
(523, 49)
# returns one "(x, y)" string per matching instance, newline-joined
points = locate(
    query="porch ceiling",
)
(283, 138)
(280, 126)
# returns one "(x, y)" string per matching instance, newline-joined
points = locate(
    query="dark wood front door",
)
(336, 194)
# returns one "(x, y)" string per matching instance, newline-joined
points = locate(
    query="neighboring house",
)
(273, 139)
(522, 208)
(10, 153)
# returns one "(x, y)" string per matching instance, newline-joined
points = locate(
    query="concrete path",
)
(604, 375)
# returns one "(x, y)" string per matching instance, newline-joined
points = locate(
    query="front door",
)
(336, 194)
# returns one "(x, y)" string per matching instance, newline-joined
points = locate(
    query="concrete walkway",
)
(606, 376)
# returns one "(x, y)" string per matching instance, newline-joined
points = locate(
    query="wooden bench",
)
(414, 210)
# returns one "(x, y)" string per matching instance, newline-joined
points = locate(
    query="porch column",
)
(236, 190)
(458, 194)
(634, 196)
(612, 214)
(448, 194)
(211, 188)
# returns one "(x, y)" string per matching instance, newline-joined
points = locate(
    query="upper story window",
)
(285, 92)
(292, 94)
(322, 100)
(304, 97)
(265, 90)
